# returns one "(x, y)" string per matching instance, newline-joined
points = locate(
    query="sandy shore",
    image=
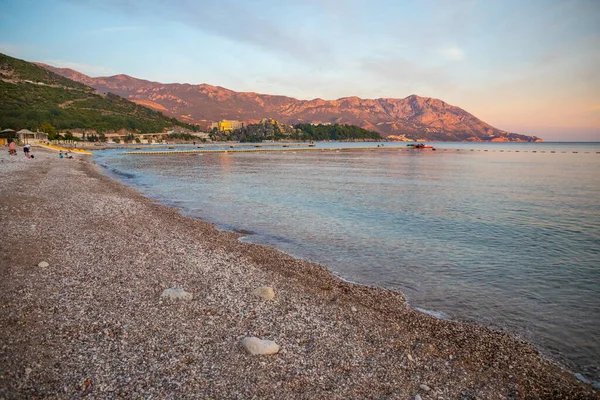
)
(92, 324)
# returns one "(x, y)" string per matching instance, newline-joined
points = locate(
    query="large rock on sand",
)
(256, 346)
(264, 292)
(176, 294)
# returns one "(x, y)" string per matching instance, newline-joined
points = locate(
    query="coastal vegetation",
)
(33, 97)
(336, 132)
(270, 129)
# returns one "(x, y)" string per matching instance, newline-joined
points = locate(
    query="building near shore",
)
(5, 135)
(227, 125)
(26, 136)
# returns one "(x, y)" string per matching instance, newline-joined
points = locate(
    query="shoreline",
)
(92, 321)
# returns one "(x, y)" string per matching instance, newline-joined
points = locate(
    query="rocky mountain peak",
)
(413, 117)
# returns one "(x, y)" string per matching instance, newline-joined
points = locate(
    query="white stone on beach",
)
(411, 358)
(417, 396)
(256, 346)
(425, 387)
(43, 264)
(264, 292)
(354, 309)
(176, 294)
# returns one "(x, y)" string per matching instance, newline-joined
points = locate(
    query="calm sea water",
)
(506, 235)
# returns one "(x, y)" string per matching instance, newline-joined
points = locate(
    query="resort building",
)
(227, 125)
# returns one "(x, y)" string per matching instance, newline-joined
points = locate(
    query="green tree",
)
(49, 129)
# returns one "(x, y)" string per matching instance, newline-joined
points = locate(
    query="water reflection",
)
(510, 239)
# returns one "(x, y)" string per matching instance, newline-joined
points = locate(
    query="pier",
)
(258, 150)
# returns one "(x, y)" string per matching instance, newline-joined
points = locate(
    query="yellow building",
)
(227, 125)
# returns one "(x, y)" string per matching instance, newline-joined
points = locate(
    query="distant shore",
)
(91, 322)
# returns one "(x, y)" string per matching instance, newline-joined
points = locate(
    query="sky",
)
(525, 66)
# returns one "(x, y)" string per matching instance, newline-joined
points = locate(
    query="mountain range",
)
(413, 117)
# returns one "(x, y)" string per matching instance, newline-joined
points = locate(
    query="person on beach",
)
(12, 148)
(26, 149)
(60, 154)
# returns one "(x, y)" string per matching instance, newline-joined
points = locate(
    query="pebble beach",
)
(107, 294)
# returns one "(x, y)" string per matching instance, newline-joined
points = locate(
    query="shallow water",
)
(507, 235)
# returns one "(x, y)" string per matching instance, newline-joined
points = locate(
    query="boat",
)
(422, 146)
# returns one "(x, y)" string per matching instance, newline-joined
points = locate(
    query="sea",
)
(506, 235)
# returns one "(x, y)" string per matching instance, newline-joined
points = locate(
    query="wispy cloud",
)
(232, 20)
(92, 70)
(453, 53)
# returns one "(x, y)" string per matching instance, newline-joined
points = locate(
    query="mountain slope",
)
(31, 95)
(413, 116)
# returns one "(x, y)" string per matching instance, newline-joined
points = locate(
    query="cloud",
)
(91, 70)
(453, 53)
(266, 27)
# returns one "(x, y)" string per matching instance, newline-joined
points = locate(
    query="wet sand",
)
(92, 324)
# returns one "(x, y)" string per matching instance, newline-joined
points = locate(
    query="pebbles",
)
(43, 264)
(176, 294)
(264, 292)
(256, 346)
(90, 324)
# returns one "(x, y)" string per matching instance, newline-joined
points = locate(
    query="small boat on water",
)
(421, 146)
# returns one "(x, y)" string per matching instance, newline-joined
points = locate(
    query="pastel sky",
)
(526, 66)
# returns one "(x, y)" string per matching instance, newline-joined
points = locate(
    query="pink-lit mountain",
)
(414, 116)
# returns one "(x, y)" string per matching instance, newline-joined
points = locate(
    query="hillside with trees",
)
(31, 96)
(336, 132)
(270, 129)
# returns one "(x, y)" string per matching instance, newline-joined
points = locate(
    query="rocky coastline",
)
(86, 269)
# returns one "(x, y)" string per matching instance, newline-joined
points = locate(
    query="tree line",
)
(335, 132)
